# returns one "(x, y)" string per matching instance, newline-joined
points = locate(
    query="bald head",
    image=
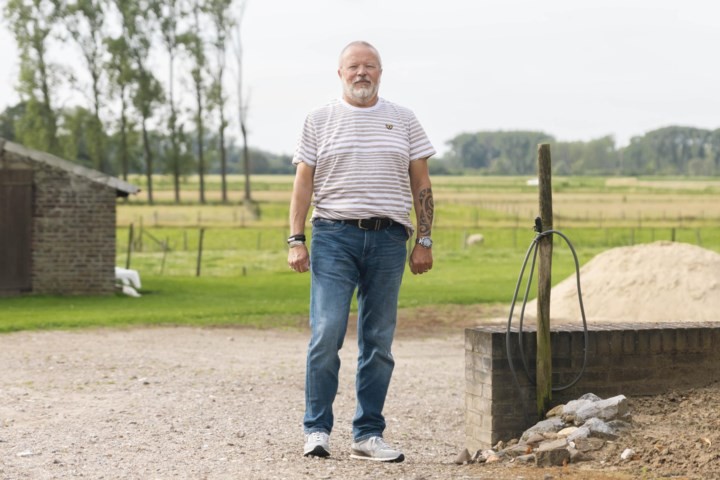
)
(361, 44)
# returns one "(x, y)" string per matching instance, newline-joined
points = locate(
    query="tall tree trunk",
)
(148, 161)
(176, 170)
(246, 163)
(173, 132)
(242, 108)
(49, 119)
(123, 136)
(201, 146)
(223, 156)
(97, 137)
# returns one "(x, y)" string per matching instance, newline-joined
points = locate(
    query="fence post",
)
(200, 250)
(165, 251)
(130, 246)
(545, 248)
(139, 246)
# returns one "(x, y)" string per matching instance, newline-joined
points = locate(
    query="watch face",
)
(425, 242)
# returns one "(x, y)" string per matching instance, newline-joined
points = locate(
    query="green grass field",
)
(244, 279)
(274, 297)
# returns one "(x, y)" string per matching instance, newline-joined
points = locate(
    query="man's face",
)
(360, 73)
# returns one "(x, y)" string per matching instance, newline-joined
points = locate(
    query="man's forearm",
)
(425, 212)
(301, 198)
(298, 215)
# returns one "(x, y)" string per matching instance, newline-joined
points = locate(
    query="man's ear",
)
(339, 74)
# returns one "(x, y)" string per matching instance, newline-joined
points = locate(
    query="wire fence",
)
(236, 251)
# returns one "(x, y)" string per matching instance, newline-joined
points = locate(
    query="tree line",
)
(670, 150)
(131, 117)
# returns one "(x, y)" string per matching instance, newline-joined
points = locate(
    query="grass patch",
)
(169, 301)
(265, 299)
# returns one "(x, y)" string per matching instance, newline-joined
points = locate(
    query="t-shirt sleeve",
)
(306, 151)
(420, 146)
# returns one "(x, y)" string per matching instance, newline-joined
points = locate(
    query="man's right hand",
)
(299, 259)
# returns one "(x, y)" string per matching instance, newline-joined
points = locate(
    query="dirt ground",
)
(160, 403)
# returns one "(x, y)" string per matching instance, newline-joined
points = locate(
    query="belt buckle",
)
(372, 223)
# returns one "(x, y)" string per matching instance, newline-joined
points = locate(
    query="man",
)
(364, 160)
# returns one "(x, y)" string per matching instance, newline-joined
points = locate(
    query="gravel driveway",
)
(210, 403)
(191, 403)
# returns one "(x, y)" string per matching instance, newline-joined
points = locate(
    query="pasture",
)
(595, 213)
(240, 276)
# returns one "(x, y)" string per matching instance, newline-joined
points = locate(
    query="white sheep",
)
(475, 239)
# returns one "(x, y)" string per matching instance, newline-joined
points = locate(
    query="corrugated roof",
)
(122, 187)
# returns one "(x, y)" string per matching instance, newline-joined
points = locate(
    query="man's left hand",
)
(421, 260)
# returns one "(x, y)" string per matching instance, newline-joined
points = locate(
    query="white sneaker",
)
(317, 444)
(375, 448)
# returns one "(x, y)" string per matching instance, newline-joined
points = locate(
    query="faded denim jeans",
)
(344, 257)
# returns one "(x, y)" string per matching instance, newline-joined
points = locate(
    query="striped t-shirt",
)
(361, 158)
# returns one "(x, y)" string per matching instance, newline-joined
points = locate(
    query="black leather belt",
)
(374, 223)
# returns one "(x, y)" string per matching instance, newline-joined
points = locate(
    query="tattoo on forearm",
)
(427, 212)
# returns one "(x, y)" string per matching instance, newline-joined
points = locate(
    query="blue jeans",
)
(343, 258)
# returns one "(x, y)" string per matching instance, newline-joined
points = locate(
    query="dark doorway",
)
(15, 231)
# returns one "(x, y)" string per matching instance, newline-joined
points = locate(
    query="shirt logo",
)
(389, 126)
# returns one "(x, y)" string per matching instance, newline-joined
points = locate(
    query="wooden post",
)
(130, 246)
(139, 246)
(165, 248)
(200, 249)
(545, 247)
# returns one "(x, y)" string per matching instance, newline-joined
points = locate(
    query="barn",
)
(57, 225)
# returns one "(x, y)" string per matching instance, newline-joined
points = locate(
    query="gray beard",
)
(360, 93)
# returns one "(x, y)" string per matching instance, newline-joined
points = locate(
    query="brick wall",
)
(73, 232)
(628, 359)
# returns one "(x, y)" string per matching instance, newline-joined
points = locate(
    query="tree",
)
(136, 29)
(85, 20)
(196, 46)
(120, 74)
(219, 11)
(8, 120)
(669, 150)
(242, 104)
(169, 13)
(502, 153)
(77, 136)
(33, 23)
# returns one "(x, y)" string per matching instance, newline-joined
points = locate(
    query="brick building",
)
(57, 225)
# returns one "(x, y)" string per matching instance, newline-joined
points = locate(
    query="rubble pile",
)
(569, 434)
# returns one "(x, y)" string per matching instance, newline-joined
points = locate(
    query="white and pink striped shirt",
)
(361, 158)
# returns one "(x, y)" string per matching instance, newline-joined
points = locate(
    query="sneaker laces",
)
(316, 436)
(380, 444)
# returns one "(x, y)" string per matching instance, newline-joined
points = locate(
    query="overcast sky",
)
(575, 69)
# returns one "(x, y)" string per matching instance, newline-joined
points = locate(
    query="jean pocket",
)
(398, 233)
(325, 225)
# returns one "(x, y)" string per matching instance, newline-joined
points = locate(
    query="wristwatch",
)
(424, 242)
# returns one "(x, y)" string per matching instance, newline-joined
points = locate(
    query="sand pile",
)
(657, 282)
